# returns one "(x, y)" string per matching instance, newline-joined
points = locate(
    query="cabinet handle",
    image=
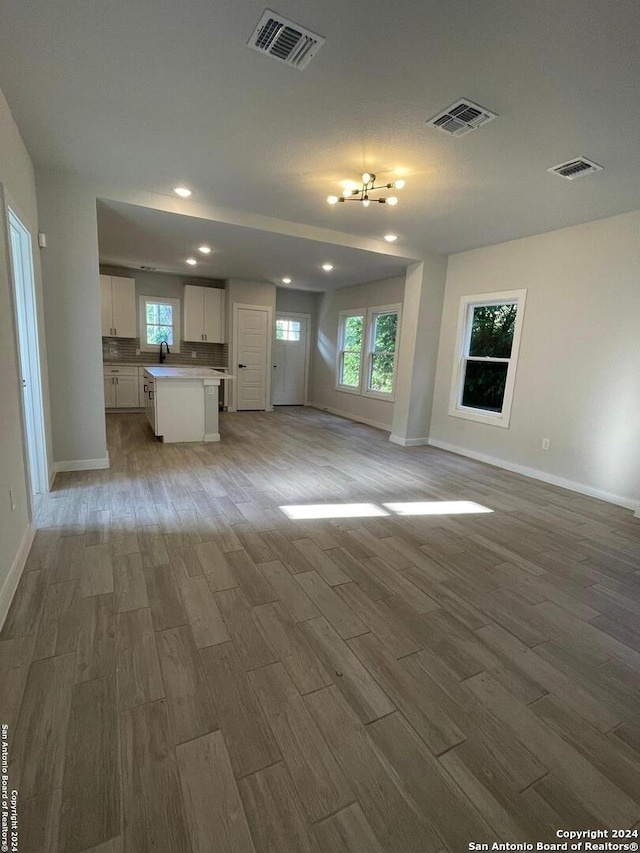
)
(116, 380)
(151, 395)
(144, 387)
(115, 331)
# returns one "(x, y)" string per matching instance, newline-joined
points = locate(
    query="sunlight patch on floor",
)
(310, 511)
(436, 508)
(333, 511)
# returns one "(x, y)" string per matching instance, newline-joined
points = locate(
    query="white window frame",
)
(372, 314)
(465, 315)
(142, 322)
(342, 317)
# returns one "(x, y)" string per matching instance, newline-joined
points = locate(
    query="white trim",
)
(351, 417)
(408, 442)
(307, 348)
(236, 306)
(176, 325)
(372, 313)
(52, 476)
(211, 436)
(536, 474)
(456, 409)
(81, 464)
(15, 573)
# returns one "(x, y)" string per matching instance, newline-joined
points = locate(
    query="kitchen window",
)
(488, 341)
(159, 321)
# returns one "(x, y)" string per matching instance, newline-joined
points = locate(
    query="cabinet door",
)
(124, 307)
(193, 313)
(127, 392)
(213, 315)
(106, 306)
(109, 392)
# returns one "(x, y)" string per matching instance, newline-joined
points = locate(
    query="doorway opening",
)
(29, 354)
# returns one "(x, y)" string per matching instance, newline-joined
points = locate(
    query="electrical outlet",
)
(194, 354)
(546, 443)
(12, 501)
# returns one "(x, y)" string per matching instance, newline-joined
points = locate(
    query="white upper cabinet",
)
(203, 314)
(118, 306)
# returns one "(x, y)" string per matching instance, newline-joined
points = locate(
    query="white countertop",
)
(186, 373)
(116, 363)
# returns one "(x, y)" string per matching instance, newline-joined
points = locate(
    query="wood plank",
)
(339, 614)
(289, 591)
(213, 807)
(600, 797)
(139, 675)
(39, 819)
(97, 572)
(316, 776)
(90, 813)
(391, 814)
(36, 759)
(154, 817)
(26, 608)
(204, 617)
(380, 622)
(275, 815)
(96, 647)
(15, 658)
(190, 706)
(347, 831)
(328, 570)
(249, 740)
(249, 577)
(129, 583)
(358, 572)
(165, 601)
(354, 681)
(292, 648)
(400, 585)
(215, 566)
(250, 644)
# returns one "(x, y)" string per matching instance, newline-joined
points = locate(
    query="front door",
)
(289, 360)
(252, 347)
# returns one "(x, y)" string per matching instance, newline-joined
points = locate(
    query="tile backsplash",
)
(123, 350)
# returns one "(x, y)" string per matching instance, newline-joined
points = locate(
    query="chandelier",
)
(362, 194)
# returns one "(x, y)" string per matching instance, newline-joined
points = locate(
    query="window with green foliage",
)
(488, 336)
(383, 331)
(159, 321)
(350, 355)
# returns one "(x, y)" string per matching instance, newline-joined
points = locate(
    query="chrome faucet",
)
(162, 355)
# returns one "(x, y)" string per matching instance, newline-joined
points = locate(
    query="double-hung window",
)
(382, 336)
(159, 320)
(489, 329)
(350, 346)
(367, 345)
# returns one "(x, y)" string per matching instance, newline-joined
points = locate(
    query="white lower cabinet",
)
(121, 388)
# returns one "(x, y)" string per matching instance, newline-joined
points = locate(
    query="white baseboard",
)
(349, 416)
(211, 436)
(408, 442)
(81, 464)
(535, 474)
(15, 573)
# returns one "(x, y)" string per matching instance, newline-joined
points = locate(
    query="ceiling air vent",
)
(461, 118)
(577, 168)
(285, 41)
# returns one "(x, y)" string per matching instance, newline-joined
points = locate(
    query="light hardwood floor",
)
(186, 670)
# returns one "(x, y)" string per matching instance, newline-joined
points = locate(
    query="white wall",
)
(578, 377)
(323, 392)
(67, 209)
(18, 189)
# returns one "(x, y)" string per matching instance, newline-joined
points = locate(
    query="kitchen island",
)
(181, 403)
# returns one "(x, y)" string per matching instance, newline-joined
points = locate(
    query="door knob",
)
(242, 365)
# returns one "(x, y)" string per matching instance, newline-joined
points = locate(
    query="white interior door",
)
(289, 360)
(29, 350)
(252, 347)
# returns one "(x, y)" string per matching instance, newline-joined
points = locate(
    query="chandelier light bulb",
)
(332, 199)
(366, 201)
(366, 177)
(392, 200)
(348, 192)
(399, 184)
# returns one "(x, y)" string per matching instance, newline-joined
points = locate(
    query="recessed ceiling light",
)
(391, 238)
(327, 267)
(183, 192)
(206, 250)
(191, 261)
(286, 281)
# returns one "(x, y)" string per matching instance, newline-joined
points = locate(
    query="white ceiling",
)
(155, 93)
